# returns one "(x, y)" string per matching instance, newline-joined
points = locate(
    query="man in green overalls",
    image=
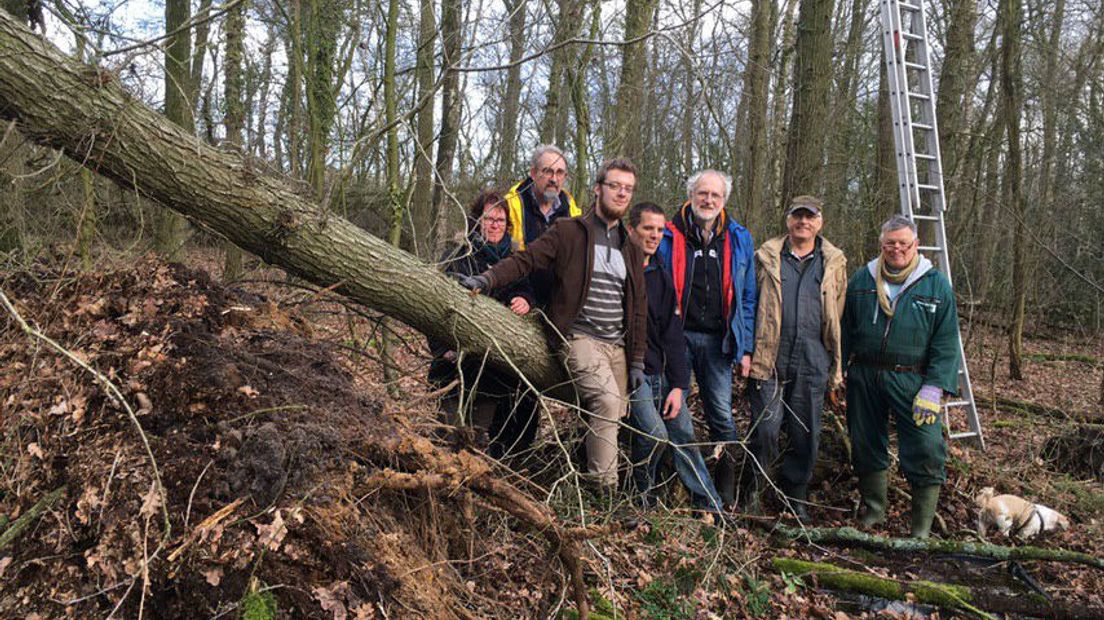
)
(900, 335)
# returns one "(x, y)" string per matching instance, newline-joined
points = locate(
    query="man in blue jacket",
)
(658, 407)
(709, 257)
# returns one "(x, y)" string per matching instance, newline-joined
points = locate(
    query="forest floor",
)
(298, 483)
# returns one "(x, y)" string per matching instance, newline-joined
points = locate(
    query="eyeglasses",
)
(501, 221)
(617, 188)
(554, 172)
(890, 245)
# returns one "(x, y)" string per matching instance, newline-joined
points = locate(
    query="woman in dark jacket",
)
(492, 400)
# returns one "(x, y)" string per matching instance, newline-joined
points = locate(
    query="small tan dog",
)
(1015, 516)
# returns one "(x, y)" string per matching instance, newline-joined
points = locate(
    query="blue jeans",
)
(713, 372)
(654, 435)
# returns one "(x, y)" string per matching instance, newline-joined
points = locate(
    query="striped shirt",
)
(603, 313)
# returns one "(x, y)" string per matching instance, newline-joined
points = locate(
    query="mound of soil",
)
(281, 481)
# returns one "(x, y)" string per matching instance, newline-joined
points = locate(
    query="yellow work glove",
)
(925, 407)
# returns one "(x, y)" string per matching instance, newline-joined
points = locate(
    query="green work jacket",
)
(923, 330)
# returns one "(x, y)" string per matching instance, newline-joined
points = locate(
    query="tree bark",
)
(812, 83)
(170, 227)
(553, 129)
(421, 201)
(234, 25)
(451, 101)
(1012, 96)
(756, 85)
(955, 91)
(61, 103)
(627, 138)
(511, 100)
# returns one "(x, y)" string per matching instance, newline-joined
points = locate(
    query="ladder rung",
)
(956, 403)
(920, 96)
(928, 188)
(923, 126)
(930, 218)
(930, 248)
(911, 36)
(964, 435)
(908, 7)
(925, 156)
(916, 65)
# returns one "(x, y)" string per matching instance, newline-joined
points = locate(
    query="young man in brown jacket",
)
(802, 286)
(598, 308)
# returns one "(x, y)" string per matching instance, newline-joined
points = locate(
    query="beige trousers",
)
(601, 380)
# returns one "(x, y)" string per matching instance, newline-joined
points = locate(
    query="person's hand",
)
(837, 397)
(926, 405)
(636, 377)
(519, 306)
(673, 404)
(474, 283)
(745, 366)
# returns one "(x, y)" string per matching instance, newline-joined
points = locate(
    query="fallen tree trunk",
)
(850, 537)
(975, 600)
(944, 595)
(83, 110)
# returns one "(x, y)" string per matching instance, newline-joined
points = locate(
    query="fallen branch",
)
(1011, 405)
(26, 519)
(925, 592)
(850, 537)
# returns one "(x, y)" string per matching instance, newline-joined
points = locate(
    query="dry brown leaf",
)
(332, 599)
(35, 450)
(213, 576)
(151, 502)
(272, 535)
(248, 391)
(4, 562)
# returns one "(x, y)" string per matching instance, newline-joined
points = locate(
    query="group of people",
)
(638, 305)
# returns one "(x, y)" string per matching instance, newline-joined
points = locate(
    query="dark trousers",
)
(793, 403)
(873, 396)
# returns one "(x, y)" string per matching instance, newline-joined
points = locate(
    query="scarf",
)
(493, 252)
(885, 275)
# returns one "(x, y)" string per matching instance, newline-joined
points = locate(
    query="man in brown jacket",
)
(802, 286)
(598, 307)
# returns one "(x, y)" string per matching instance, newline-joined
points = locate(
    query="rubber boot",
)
(798, 498)
(924, 502)
(724, 476)
(873, 488)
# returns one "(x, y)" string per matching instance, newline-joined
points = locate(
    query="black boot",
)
(724, 477)
(798, 499)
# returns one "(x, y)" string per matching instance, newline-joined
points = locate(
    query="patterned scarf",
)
(885, 275)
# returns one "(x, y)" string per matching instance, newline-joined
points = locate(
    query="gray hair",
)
(897, 222)
(544, 149)
(692, 182)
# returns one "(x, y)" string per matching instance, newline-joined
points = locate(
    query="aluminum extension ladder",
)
(919, 167)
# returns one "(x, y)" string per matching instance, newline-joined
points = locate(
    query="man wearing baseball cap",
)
(802, 282)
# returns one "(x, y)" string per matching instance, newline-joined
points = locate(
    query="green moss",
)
(661, 600)
(941, 594)
(259, 605)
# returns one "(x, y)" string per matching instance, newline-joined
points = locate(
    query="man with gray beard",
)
(536, 201)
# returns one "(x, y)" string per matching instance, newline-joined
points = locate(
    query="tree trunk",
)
(171, 228)
(234, 25)
(421, 202)
(1012, 95)
(627, 138)
(511, 101)
(887, 199)
(577, 79)
(451, 101)
(63, 104)
(955, 91)
(812, 83)
(553, 128)
(779, 137)
(756, 85)
(323, 25)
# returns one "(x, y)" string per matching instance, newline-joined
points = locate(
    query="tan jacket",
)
(768, 319)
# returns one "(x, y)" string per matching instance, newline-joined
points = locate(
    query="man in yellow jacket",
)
(802, 287)
(536, 201)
